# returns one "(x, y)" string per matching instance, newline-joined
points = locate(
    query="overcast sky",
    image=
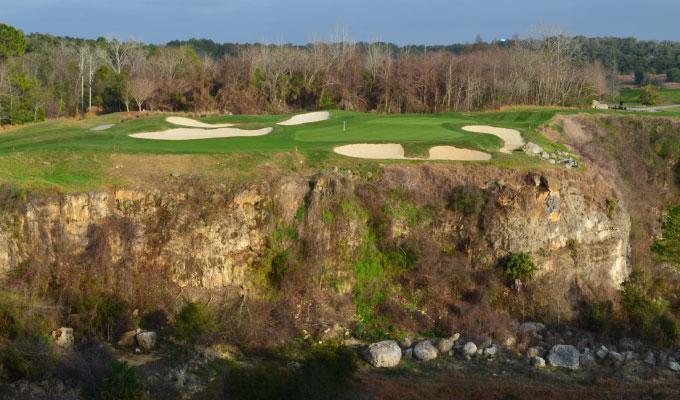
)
(298, 21)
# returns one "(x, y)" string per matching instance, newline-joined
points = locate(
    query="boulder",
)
(469, 349)
(127, 339)
(385, 354)
(537, 362)
(650, 358)
(425, 351)
(532, 148)
(602, 352)
(407, 353)
(564, 356)
(534, 352)
(444, 345)
(491, 351)
(674, 366)
(406, 342)
(146, 340)
(63, 338)
(616, 357)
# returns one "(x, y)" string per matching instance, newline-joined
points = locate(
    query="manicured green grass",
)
(68, 155)
(631, 97)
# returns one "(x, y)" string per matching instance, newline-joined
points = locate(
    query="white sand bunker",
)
(102, 127)
(192, 123)
(194, 134)
(512, 138)
(307, 118)
(393, 151)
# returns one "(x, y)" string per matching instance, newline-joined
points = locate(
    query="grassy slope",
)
(66, 155)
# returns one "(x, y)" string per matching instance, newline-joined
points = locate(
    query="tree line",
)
(43, 76)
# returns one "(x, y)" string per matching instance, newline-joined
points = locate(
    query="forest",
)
(43, 76)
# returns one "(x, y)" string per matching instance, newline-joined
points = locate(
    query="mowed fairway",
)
(69, 155)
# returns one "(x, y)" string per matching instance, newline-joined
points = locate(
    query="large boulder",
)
(385, 354)
(63, 338)
(127, 339)
(425, 351)
(469, 349)
(445, 345)
(564, 356)
(146, 340)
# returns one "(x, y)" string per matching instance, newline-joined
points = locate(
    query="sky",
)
(300, 21)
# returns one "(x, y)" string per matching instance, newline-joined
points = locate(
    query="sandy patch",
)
(192, 123)
(393, 151)
(512, 138)
(102, 127)
(307, 118)
(195, 133)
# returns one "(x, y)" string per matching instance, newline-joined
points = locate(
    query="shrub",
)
(667, 248)
(195, 321)
(122, 383)
(467, 200)
(519, 266)
(650, 95)
(649, 314)
(27, 358)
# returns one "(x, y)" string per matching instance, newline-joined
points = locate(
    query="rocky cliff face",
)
(210, 239)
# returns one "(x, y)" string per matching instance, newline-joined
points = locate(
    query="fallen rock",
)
(564, 356)
(674, 366)
(444, 345)
(616, 357)
(532, 148)
(650, 358)
(63, 338)
(425, 351)
(385, 354)
(537, 362)
(469, 349)
(127, 339)
(491, 351)
(602, 352)
(146, 340)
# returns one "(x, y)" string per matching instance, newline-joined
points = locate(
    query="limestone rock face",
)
(385, 354)
(208, 238)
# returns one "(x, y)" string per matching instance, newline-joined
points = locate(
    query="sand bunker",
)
(511, 137)
(194, 134)
(307, 118)
(393, 151)
(102, 127)
(457, 154)
(192, 123)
